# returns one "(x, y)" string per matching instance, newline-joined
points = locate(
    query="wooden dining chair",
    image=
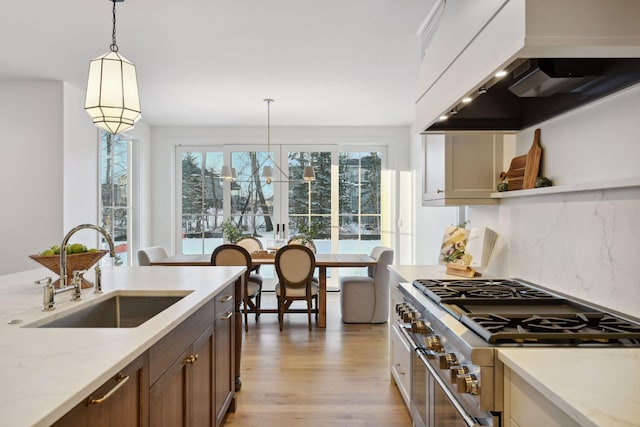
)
(294, 266)
(251, 290)
(300, 240)
(252, 244)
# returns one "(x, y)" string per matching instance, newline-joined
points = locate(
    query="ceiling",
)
(212, 62)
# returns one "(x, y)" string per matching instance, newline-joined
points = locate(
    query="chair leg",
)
(246, 323)
(309, 312)
(280, 313)
(258, 301)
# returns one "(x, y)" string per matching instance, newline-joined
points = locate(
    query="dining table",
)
(323, 261)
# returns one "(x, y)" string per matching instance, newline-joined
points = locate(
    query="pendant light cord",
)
(114, 46)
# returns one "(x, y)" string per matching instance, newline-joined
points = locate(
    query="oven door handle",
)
(469, 421)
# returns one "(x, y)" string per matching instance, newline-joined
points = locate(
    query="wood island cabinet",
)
(121, 401)
(460, 169)
(186, 379)
(224, 355)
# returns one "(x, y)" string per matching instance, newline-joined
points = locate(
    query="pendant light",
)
(112, 98)
(228, 173)
(267, 171)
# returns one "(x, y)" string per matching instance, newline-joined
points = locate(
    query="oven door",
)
(419, 390)
(441, 409)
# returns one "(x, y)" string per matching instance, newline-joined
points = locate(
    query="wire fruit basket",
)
(75, 262)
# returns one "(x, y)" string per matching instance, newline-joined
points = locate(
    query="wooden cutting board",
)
(532, 167)
(515, 174)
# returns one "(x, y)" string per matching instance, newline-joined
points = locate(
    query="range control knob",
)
(432, 342)
(468, 383)
(420, 327)
(458, 370)
(448, 360)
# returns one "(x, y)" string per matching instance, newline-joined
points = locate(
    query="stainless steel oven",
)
(455, 328)
(433, 403)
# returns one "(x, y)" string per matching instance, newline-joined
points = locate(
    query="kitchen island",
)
(45, 372)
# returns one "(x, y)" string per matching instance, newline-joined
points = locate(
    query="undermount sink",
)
(118, 311)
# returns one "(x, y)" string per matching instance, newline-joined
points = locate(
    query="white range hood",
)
(545, 45)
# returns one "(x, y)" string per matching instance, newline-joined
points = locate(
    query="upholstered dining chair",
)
(365, 299)
(294, 267)
(300, 240)
(251, 291)
(147, 255)
(251, 244)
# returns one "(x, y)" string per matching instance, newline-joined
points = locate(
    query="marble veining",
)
(583, 244)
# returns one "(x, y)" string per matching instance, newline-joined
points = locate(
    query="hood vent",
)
(546, 77)
(535, 90)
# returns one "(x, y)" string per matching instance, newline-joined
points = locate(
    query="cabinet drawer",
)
(224, 301)
(400, 356)
(167, 350)
(120, 401)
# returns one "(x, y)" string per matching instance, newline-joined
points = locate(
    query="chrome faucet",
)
(63, 250)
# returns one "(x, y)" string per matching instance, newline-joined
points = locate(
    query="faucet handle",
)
(76, 282)
(48, 300)
(46, 281)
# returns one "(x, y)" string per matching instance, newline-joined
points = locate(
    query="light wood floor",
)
(334, 377)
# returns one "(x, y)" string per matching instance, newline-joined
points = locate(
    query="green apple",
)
(47, 252)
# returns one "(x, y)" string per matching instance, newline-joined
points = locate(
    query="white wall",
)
(584, 244)
(49, 169)
(80, 161)
(31, 126)
(165, 140)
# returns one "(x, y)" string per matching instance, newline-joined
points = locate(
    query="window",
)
(115, 196)
(202, 201)
(343, 204)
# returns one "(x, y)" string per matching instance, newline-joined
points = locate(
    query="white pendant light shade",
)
(226, 173)
(267, 172)
(309, 174)
(112, 93)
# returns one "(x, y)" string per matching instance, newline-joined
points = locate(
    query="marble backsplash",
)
(584, 244)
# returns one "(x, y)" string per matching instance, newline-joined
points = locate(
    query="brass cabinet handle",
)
(193, 358)
(227, 315)
(121, 379)
(439, 191)
(226, 298)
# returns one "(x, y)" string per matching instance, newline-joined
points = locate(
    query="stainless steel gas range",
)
(455, 326)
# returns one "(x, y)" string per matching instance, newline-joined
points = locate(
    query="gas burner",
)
(615, 324)
(490, 293)
(555, 324)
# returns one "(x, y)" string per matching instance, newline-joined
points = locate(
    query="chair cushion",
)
(298, 292)
(252, 289)
(255, 278)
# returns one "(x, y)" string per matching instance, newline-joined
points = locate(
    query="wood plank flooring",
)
(334, 377)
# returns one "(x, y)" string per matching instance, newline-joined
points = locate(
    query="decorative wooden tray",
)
(75, 262)
(263, 254)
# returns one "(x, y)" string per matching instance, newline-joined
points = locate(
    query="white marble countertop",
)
(45, 372)
(596, 387)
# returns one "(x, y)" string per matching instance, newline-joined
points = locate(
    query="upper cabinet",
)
(460, 169)
(555, 54)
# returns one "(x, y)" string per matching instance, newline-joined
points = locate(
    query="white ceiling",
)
(212, 62)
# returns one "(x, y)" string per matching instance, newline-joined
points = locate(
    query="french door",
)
(343, 205)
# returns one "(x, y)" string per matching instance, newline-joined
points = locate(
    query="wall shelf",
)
(571, 188)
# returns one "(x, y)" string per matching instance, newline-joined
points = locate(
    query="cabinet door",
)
(202, 390)
(400, 358)
(460, 169)
(433, 151)
(118, 402)
(169, 396)
(224, 371)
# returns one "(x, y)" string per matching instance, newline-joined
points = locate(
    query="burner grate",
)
(573, 327)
